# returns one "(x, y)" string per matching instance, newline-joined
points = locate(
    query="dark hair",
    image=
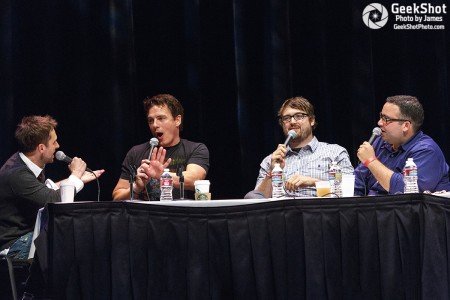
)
(410, 108)
(298, 103)
(34, 130)
(165, 99)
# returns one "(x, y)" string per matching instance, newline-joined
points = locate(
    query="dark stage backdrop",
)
(231, 64)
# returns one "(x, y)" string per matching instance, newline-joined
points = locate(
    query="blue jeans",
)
(21, 247)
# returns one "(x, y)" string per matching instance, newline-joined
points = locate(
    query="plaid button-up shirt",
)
(313, 160)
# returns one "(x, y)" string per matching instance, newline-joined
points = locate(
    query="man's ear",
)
(40, 148)
(178, 120)
(407, 126)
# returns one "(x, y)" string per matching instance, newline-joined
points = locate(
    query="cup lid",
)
(201, 182)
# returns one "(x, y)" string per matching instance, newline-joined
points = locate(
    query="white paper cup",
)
(348, 185)
(323, 188)
(201, 186)
(67, 192)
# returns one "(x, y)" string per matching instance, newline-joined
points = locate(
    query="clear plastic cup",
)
(67, 192)
(323, 188)
(348, 185)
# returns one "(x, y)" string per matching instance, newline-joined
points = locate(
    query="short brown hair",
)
(298, 103)
(410, 108)
(165, 99)
(34, 130)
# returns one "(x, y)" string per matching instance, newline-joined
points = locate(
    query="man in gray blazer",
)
(23, 187)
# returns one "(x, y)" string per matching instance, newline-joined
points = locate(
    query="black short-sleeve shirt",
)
(182, 154)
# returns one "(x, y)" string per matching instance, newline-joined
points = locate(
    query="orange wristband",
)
(369, 160)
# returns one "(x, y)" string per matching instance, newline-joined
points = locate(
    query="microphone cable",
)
(98, 184)
(146, 191)
(133, 172)
(294, 196)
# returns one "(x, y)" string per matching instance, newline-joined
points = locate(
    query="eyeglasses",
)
(386, 120)
(297, 117)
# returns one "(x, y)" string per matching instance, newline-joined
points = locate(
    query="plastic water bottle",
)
(410, 177)
(277, 182)
(335, 178)
(166, 185)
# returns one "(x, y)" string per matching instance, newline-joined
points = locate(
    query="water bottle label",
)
(166, 182)
(278, 177)
(410, 172)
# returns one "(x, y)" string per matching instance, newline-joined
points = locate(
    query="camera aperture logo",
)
(412, 16)
(375, 16)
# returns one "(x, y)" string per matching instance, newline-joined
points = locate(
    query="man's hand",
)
(77, 167)
(299, 181)
(88, 176)
(155, 167)
(365, 151)
(278, 157)
(141, 178)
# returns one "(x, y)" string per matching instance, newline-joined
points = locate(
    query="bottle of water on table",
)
(335, 177)
(410, 177)
(277, 182)
(166, 186)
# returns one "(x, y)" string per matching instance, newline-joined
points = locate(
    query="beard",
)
(303, 133)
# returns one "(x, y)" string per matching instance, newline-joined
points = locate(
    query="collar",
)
(412, 141)
(31, 165)
(406, 146)
(312, 145)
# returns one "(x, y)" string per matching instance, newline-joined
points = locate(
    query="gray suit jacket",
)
(21, 196)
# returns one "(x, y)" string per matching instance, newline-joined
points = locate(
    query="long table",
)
(393, 247)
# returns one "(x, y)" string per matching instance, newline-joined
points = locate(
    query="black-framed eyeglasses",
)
(297, 117)
(387, 120)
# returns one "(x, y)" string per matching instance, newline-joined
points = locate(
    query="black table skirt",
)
(394, 247)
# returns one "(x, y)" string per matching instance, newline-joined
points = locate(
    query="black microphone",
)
(153, 143)
(375, 132)
(291, 135)
(61, 156)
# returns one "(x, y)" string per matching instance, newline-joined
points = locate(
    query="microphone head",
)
(376, 131)
(292, 134)
(60, 155)
(154, 142)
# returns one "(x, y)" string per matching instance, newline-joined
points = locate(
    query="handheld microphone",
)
(291, 135)
(375, 132)
(153, 143)
(61, 156)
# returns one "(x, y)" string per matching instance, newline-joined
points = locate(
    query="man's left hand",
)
(299, 181)
(88, 176)
(156, 165)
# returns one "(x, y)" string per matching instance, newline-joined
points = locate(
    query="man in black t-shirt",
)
(165, 120)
